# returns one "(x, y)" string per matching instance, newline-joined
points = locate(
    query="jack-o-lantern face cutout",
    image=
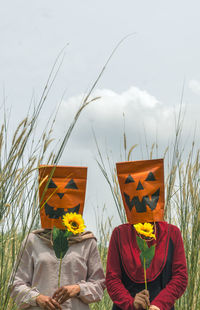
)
(142, 188)
(61, 191)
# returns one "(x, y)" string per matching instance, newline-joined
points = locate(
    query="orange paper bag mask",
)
(142, 189)
(61, 190)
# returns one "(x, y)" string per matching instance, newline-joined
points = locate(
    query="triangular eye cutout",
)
(52, 184)
(71, 184)
(129, 179)
(139, 187)
(150, 177)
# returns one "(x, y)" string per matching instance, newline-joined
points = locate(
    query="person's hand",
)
(46, 302)
(141, 300)
(152, 307)
(65, 292)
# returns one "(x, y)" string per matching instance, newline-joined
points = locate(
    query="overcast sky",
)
(143, 80)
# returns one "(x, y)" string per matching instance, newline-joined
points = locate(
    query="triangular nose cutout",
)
(60, 195)
(139, 186)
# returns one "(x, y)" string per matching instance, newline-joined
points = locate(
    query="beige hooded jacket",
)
(38, 269)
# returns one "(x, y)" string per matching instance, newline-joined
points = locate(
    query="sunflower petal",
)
(74, 223)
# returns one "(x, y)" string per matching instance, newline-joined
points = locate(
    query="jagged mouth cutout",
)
(147, 200)
(53, 213)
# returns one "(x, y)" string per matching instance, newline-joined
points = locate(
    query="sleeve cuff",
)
(32, 300)
(81, 285)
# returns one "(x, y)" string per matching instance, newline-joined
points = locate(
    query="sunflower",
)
(74, 223)
(145, 229)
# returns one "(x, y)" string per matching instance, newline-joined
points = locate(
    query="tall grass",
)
(104, 230)
(186, 202)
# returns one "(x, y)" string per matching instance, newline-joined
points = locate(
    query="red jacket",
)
(123, 250)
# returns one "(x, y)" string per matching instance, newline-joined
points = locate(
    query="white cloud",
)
(142, 112)
(194, 85)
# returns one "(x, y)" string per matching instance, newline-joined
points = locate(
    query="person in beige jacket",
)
(35, 283)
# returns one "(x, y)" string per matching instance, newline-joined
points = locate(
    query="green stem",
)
(59, 274)
(145, 277)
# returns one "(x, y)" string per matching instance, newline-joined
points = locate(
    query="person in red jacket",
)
(142, 188)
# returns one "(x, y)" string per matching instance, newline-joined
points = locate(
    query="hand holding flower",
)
(65, 292)
(141, 300)
(46, 302)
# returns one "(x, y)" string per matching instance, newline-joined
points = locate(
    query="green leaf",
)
(151, 252)
(141, 244)
(68, 233)
(60, 242)
(148, 254)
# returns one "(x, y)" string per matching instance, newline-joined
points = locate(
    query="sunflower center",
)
(74, 224)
